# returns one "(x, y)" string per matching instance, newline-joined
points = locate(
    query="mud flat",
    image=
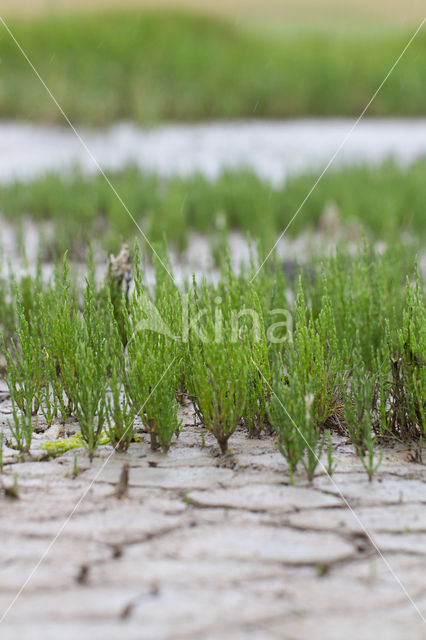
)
(272, 149)
(204, 546)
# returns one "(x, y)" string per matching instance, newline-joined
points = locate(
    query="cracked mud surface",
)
(203, 546)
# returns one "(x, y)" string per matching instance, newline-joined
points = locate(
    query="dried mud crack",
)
(192, 535)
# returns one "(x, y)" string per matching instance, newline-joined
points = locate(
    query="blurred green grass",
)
(152, 66)
(383, 202)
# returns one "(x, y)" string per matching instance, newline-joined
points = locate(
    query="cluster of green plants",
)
(384, 202)
(340, 348)
(149, 66)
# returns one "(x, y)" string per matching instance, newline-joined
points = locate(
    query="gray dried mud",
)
(272, 149)
(204, 546)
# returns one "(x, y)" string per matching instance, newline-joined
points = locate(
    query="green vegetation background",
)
(152, 66)
(386, 202)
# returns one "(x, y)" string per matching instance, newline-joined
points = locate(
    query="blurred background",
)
(212, 120)
(303, 12)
